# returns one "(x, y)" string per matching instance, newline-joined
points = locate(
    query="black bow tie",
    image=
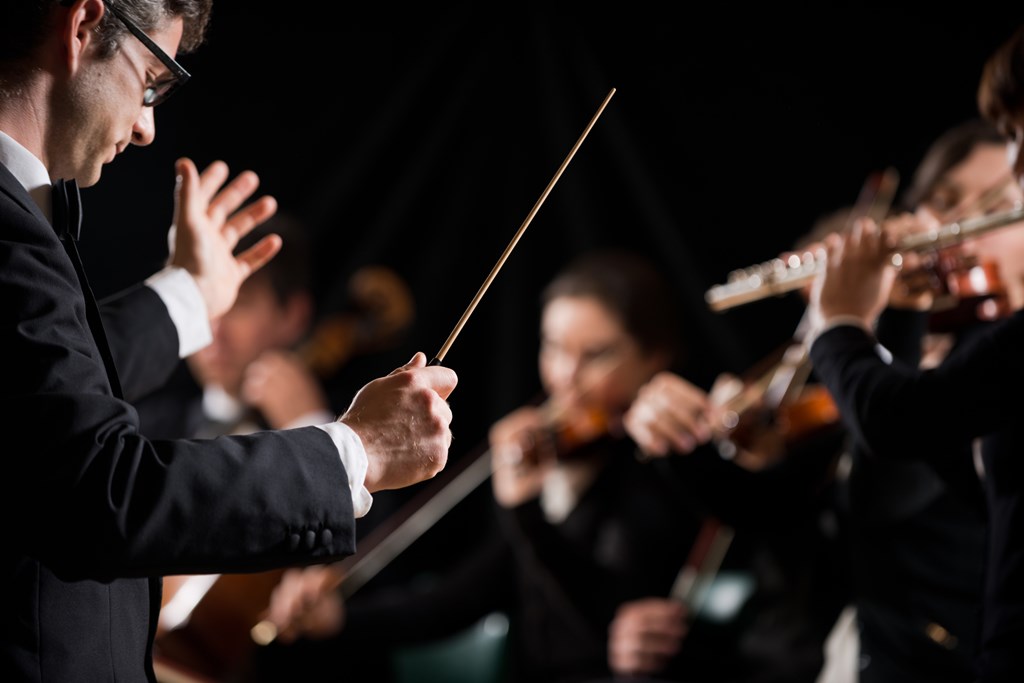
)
(67, 209)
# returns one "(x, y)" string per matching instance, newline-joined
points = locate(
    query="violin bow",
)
(519, 233)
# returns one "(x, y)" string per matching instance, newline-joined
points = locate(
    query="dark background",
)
(421, 140)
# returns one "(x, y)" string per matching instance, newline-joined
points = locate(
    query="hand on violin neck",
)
(532, 443)
(670, 415)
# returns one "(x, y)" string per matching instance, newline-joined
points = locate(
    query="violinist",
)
(583, 525)
(968, 404)
(781, 504)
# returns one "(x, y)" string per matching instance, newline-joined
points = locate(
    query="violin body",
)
(777, 411)
(572, 436)
(765, 434)
(969, 291)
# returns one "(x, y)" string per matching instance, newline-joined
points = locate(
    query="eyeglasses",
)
(158, 92)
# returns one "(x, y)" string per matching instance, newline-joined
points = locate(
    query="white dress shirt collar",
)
(28, 170)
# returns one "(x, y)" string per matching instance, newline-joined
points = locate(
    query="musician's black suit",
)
(93, 510)
(899, 411)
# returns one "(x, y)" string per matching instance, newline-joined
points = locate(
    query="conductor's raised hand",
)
(209, 220)
(403, 420)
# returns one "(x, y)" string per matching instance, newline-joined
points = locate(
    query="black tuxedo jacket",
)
(94, 512)
(898, 411)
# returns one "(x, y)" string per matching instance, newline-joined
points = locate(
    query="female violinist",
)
(583, 524)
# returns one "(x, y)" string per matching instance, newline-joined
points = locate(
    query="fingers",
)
(212, 177)
(669, 413)
(439, 378)
(866, 243)
(834, 245)
(186, 185)
(645, 634)
(226, 199)
(244, 220)
(418, 360)
(194, 189)
(649, 436)
(725, 388)
(444, 411)
(258, 255)
(223, 203)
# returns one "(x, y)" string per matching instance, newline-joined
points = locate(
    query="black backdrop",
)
(421, 140)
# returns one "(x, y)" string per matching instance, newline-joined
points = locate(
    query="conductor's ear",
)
(77, 28)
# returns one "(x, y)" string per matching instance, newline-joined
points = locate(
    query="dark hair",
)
(26, 22)
(948, 150)
(632, 288)
(1001, 89)
(289, 271)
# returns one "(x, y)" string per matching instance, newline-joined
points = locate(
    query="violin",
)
(777, 412)
(965, 289)
(584, 426)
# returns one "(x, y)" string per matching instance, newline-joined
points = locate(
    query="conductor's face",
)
(105, 101)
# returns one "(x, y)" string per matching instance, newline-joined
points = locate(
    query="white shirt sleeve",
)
(353, 457)
(317, 417)
(186, 307)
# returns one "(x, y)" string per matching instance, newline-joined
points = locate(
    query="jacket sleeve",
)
(896, 409)
(89, 495)
(142, 338)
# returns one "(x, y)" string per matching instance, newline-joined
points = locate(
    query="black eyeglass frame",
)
(153, 95)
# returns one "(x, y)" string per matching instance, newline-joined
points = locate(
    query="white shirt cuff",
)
(186, 307)
(353, 457)
(315, 418)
